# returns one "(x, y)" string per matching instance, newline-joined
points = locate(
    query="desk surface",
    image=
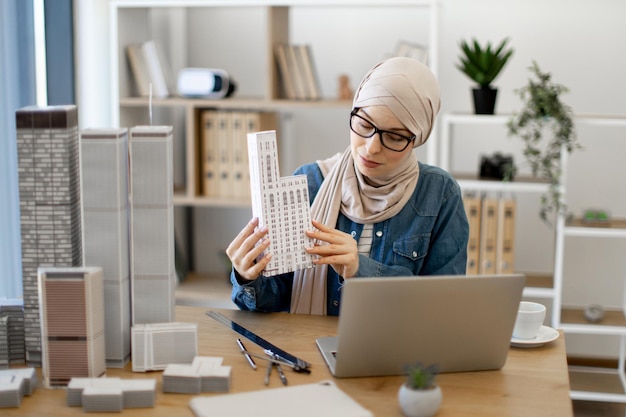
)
(534, 382)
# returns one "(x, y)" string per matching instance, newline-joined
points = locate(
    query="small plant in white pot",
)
(420, 396)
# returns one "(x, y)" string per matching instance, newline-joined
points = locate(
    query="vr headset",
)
(204, 83)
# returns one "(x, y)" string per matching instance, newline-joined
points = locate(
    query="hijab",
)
(411, 91)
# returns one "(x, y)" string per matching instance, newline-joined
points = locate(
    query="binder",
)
(505, 244)
(225, 161)
(239, 142)
(209, 147)
(488, 235)
(472, 210)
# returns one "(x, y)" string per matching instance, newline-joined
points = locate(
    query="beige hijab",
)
(411, 91)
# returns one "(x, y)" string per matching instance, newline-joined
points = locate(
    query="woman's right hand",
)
(243, 251)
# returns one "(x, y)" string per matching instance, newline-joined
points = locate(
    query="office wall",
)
(579, 41)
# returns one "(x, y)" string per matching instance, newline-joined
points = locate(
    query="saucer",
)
(546, 334)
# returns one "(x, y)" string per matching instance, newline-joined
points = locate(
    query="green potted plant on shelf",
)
(546, 126)
(482, 65)
(420, 396)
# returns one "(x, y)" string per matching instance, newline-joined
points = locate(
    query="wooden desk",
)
(534, 382)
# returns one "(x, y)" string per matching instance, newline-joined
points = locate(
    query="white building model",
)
(281, 204)
(104, 162)
(153, 274)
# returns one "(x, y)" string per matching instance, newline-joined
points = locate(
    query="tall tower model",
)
(282, 204)
(104, 161)
(50, 208)
(153, 274)
(72, 323)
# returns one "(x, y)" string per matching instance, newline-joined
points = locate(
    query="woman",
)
(377, 210)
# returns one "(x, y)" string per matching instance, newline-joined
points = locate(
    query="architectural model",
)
(157, 345)
(11, 332)
(15, 384)
(104, 168)
(111, 394)
(71, 303)
(153, 274)
(204, 374)
(50, 207)
(280, 203)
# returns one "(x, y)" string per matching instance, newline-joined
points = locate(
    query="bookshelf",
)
(551, 288)
(242, 36)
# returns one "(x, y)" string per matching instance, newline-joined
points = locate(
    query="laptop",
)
(461, 323)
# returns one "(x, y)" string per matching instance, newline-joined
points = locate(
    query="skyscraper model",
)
(71, 302)
(50, 207)
(153, 274)
(281, 203)
(104, 161)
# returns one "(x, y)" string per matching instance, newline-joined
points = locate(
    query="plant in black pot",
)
(483, 65)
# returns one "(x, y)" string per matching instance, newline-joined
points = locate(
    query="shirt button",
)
(335, 303)
(414, 254)
(379, 233)
(353, 233)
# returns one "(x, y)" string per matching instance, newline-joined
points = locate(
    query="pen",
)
(246, 354)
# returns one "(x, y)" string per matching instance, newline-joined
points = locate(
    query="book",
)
(473, 212)
(296, 72)
(488, 235)
(157, 68)
(505, 243)
(208, 150)
(286, 77)
(139, 69)
(304, 56)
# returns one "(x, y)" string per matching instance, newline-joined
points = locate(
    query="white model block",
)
(72, 323)
(157, 345)
(153, 273)
(281, 204)
(104, 160)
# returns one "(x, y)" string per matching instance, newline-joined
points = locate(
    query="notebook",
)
(461, 323)
(322, 398)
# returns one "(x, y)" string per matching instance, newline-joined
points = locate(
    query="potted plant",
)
(545, 125)
(420, 396)
(483, 65)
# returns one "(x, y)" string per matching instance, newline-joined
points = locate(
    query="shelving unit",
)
(567, 319)
(140, 20)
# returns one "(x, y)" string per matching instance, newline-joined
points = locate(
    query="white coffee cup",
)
(530, 317)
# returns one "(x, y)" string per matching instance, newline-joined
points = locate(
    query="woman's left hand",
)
(339, 251)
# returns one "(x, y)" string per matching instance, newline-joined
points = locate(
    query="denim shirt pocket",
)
(410, 252)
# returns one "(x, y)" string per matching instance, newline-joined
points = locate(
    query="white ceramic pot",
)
(419, 403)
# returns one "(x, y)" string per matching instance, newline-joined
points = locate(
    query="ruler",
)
(297, 364)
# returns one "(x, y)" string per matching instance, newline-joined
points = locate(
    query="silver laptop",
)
(461, 323)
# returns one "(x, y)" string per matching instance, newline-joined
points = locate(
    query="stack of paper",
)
(102, 399)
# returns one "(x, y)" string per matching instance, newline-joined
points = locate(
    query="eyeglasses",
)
(366, 129)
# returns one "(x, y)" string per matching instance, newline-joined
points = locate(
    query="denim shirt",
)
(427, 237)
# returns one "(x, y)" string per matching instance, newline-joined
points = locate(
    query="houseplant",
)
(545, 125)
(482, 65)
(420, 396)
